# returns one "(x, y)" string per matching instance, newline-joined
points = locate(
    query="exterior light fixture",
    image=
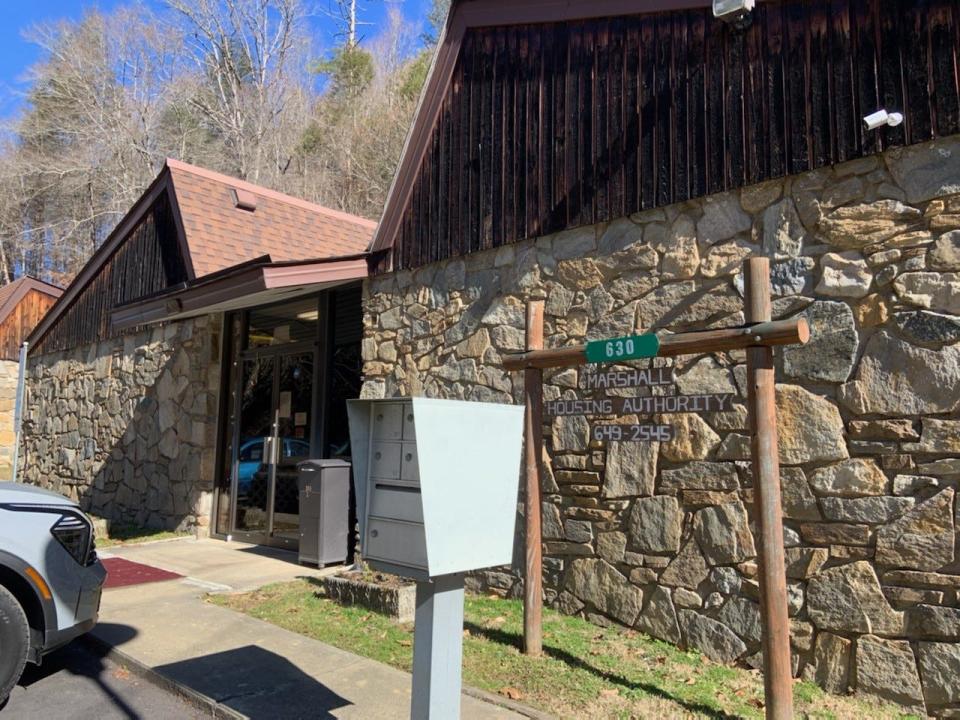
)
(735, 12)
(877, 120)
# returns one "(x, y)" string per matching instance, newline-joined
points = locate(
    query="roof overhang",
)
(255, 283)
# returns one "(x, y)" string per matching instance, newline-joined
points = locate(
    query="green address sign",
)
(625, 348)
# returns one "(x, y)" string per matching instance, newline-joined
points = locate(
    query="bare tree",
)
(345, 15)
(360, 124)
(243, 50)
(220, 83)
(88, 143)
(436, 18)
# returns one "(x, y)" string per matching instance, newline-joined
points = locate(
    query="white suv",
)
(50, 577)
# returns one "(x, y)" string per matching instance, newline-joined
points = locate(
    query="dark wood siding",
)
(551, 126)
(147, 261)
(21, 321)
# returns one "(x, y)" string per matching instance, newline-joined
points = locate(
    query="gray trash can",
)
(324, 511)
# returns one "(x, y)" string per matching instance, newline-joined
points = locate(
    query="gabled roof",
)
(13, 293)
(219, 234)
(222, 222)
(464, 15)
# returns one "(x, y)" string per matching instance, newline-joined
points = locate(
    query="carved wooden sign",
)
(658, 379)
(657, 394)
(720, 402)
(627, 378)
(645, 432)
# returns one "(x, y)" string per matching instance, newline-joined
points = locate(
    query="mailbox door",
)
(385, 460)
(387, 421)
(409, 465)
(396, 502)
(409, 424)
(394, 532)
(399, 543)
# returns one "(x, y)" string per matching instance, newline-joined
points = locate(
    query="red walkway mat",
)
(121, 573)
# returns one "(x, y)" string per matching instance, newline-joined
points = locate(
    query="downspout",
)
(18, 408)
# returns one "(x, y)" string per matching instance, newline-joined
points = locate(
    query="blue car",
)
(251, 459)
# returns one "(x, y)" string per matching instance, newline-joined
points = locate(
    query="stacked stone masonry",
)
(661, 537)
(9, 374)
(127, 426)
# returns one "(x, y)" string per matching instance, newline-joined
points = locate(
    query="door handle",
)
(270, 454)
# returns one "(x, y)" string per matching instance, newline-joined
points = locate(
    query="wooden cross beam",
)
(758, 337)
(767, 334)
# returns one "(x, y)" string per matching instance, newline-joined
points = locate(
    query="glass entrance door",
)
(275, 430)
(294, 422)
(289, 369)
(254, 468)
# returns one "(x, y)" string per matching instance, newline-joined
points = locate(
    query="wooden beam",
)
(533, 454)
(762, 408)
(767, 334)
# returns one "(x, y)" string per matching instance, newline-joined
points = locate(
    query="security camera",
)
(876, 120)
(732, 10)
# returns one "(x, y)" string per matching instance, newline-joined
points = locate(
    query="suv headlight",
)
(76, 536)
(73, 530)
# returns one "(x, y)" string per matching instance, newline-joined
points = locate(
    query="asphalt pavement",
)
(76, 683)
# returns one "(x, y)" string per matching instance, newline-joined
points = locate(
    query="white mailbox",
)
(436, 483)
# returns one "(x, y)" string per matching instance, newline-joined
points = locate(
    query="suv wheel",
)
(14, 642)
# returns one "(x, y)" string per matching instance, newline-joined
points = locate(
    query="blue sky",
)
(16, 54)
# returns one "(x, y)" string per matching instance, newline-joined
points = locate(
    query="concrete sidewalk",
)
(241, 664)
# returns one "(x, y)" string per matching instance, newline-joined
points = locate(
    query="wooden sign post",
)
(758, 337)
(762, 408)
(532, 455)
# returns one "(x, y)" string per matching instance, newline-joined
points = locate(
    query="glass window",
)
(252, 450)
(281, 324)
(296, 449)
(346, 366)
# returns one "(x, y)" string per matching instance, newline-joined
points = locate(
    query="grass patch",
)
(130, 535)
(586, 671)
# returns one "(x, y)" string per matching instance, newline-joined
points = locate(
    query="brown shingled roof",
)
(220, 235)
(223, 222)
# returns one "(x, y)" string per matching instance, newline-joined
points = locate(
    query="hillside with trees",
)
(232, 85)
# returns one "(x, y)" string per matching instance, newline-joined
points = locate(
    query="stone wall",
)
(128, 426)
(659, 537)
(9, 374)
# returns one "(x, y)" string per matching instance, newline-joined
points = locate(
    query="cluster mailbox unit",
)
(436, 486)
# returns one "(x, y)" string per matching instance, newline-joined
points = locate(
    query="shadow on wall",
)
(127, 427)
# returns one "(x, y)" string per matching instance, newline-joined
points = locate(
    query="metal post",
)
(18, 408)
(533, 452)
(761, 397)
(437, 649)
